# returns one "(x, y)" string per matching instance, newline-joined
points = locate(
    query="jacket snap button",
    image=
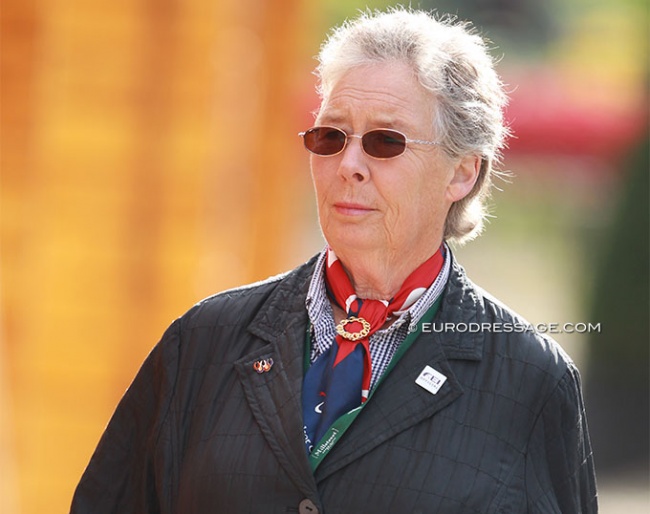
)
(307, 507)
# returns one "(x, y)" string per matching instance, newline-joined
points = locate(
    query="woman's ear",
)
(466, 173)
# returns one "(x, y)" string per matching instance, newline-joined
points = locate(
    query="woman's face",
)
(396, 205)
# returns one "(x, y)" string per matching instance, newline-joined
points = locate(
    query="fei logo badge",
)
(431, 380)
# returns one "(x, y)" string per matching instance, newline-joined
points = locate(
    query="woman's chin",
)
(355, 239)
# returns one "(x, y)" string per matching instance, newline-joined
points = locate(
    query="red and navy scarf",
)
(339, 380)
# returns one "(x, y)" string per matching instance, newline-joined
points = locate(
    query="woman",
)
(323, 390)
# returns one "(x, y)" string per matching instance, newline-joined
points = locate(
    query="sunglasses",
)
(378, 143)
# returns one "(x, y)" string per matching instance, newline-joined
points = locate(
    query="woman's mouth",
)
(351, 209)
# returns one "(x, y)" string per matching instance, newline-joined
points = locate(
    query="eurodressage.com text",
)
(542, 328)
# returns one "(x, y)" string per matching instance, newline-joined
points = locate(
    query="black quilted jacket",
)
(200, 431)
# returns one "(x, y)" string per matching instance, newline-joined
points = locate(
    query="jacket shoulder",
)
(503, 332)
(526, 341)
(238, 305)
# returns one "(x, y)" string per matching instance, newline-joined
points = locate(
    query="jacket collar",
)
(286, 305)
(462, 303)
(274, 397)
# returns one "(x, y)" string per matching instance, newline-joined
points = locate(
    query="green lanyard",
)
(340, 426)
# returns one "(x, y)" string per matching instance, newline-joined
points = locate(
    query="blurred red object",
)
(549, 115)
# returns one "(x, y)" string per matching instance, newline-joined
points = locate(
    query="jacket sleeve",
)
(560, 475)
(120, 477)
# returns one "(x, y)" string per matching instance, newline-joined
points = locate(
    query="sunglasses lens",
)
(324, 140)
(384, 144)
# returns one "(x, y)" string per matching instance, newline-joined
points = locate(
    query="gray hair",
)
(452, 62)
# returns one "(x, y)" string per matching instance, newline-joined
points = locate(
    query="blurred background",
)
(150, 158)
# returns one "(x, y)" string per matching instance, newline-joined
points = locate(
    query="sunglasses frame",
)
(407, 141)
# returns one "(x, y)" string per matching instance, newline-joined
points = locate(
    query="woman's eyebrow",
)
(380, 121)
(332, 117)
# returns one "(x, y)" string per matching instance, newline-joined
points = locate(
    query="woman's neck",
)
(380, 275)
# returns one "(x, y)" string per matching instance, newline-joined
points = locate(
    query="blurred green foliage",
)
(618, 384)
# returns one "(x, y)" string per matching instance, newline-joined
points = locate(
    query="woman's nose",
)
(354, 161)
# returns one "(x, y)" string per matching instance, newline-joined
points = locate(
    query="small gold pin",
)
(263, 365)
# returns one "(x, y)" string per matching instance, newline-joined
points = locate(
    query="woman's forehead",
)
(386, 93)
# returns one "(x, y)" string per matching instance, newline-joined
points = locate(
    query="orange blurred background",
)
(150, 158)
